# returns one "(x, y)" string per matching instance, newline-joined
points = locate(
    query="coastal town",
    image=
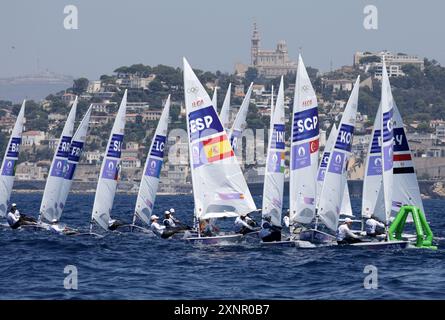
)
(148, 88)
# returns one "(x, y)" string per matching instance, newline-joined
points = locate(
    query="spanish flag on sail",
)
(217, 148)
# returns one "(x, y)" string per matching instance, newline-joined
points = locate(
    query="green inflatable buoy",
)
(423, 230)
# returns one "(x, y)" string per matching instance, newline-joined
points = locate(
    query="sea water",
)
(137, 266)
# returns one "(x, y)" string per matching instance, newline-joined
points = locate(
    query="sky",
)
(213, 35)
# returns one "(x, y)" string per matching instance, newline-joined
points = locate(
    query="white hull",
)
(226, 239)
(381, 245)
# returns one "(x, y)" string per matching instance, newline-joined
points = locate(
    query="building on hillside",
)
(30, 171)
(68, 97)
(131, 162)
(32, 138)
(394, 61)
(270, 63)
(337, 85)
(94, 86)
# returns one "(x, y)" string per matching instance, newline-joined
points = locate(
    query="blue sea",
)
(137, 266)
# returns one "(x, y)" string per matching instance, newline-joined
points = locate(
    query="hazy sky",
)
(213, 35)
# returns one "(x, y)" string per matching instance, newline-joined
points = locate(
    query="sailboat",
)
(76, 149)
(275, 162)
(304, 150)
(152, 171)
(224, 114)
(335, 180)
(109, 172)
(219, 187)
(346, 209)
(240, 122)
(50, 208)
(10, 159)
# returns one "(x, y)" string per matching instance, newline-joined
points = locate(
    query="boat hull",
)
(383, 245)
(226, 239)
(316, 237)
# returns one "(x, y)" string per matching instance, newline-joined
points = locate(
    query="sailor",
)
(172, 212)
(169, 221)
(208, 228)
(244, 224)
(155, 226)
(345, 235)
(269, 232)
(113, 224)
(374, 227)
(15, 219)
(61, 228)
(286, 219)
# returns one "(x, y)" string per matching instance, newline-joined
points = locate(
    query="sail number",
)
(305, 124)
(204, 122)
(344, 137)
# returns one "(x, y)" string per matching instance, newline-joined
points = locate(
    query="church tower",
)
(255, 45)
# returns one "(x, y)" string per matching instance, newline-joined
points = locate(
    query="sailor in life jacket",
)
(269, 232)
(286, 219)
(15, 219)
(374, 227)
(155, 226)
(244, 224)
(169, 220)
(345, 235)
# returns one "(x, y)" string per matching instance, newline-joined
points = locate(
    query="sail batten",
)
(109, 172)
(51, 208)
(152, 169)
(275, 162)
(10, 159)
(219, 187)
(304, 149)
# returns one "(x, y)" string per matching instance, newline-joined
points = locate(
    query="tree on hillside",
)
(80, 85)
(251, 75)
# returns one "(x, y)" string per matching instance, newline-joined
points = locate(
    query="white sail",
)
(336, 175)
(240, 121)
(215, 99)
(304, 149)
(225, 110)
(76, 148)
(324, 161)
(219, 187)
(7, 171)
(50, 208)
(387, 135)
(109, 172)
(346, 208)
(152, 169)
(407, 191)
(372, 197)
(275, 163)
